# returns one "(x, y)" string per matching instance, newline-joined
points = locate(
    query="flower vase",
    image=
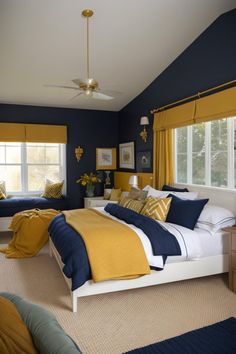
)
(90, 190)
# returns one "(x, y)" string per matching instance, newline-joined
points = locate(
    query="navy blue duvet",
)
(71, 247)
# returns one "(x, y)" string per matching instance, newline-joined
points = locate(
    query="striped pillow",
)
(53, 190)
(156, 208)
(135, 205)
(3, 193)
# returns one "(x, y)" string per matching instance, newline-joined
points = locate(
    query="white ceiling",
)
(132, 42)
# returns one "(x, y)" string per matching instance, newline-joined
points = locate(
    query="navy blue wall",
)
(87, 128)
(209, 61)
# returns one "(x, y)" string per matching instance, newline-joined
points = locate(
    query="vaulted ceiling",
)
(131, 43)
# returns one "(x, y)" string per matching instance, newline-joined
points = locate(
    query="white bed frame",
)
(173, 271)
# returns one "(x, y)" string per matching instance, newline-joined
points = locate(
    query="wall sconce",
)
(79, 152)
(144, 121)
(133, 181)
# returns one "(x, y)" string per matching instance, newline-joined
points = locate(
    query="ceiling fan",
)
(88, 87)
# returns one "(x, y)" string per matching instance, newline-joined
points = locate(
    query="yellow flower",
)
(88, 179)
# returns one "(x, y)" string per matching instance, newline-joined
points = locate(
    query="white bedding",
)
(194, 244)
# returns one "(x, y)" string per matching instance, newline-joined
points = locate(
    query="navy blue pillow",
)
(173, 189)
(185, 212)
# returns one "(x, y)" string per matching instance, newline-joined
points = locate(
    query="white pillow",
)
(161, 194)
(213, 218)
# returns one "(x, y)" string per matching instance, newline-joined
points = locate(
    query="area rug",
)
(219, 338)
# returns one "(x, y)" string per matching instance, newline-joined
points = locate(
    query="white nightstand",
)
(93, 202)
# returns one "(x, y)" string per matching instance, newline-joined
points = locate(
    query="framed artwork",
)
(126, 155)
(144, 161)
(106, 159)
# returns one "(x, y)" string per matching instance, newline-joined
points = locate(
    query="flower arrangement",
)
(88, 180)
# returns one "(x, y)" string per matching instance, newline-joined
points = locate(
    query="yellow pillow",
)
(135, 205)
(53, 190)
(15, 337)
(156, 208)
(3, 193)
(115, 194)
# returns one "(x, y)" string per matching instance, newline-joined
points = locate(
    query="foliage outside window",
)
(25, 166)
(205, 154)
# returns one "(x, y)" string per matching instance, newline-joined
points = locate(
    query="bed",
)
(202, 255)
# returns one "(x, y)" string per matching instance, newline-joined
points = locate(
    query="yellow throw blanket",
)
(15, 338)
(30, 228)
(114, 250)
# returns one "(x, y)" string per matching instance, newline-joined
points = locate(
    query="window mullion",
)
(189, 155)
(24, 168)
(175, 157)
(230, 152)
(208, 153)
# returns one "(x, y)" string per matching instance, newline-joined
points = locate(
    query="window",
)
(205, 154)
(25, 166)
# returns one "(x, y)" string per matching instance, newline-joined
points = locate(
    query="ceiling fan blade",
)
(77, 81)
(109, 92)
(101, 96)
(78, 94)
(62, 86)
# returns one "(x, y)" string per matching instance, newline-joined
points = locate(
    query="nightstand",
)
(232, 257)
(93, 202)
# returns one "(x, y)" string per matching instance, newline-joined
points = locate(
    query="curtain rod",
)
(196, 95)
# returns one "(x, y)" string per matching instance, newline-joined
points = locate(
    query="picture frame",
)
(144, 161)
(126, 156)
(106, 159)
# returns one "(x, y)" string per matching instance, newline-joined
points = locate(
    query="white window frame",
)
(230, 156)
(24, 176)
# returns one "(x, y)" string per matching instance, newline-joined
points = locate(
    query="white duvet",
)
(189, 242)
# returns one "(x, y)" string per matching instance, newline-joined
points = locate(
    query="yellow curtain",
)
(216, 106)
(163, 172)
(37, 133)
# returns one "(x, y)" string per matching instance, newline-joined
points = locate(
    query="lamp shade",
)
(144, 121)
(133, 181)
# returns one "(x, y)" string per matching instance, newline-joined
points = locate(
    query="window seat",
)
(11, 206)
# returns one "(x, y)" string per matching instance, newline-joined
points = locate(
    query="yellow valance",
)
(42, 133)
(12, 132)
(216, 106)
(36, 133)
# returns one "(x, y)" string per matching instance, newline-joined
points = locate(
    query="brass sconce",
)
(79, 152)
(144, 121)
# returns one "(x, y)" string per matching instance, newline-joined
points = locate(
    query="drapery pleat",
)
(163, 171)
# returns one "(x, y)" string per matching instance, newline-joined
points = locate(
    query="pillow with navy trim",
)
(185, 212)
(174, 189)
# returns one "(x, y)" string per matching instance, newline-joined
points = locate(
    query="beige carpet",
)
(118, 322)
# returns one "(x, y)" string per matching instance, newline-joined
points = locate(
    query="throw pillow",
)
(136, 193)
(174, 189)
(185, 212)
(53, 190)
(115, 194)
(3, 193)
(156, 208)
(107, 194)
(135, 205)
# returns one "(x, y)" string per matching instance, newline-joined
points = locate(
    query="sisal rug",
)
(118, 322)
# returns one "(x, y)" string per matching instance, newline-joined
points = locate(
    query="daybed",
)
(11, 206)
(203, 254)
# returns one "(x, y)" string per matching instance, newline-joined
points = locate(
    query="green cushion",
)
(47, 334)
